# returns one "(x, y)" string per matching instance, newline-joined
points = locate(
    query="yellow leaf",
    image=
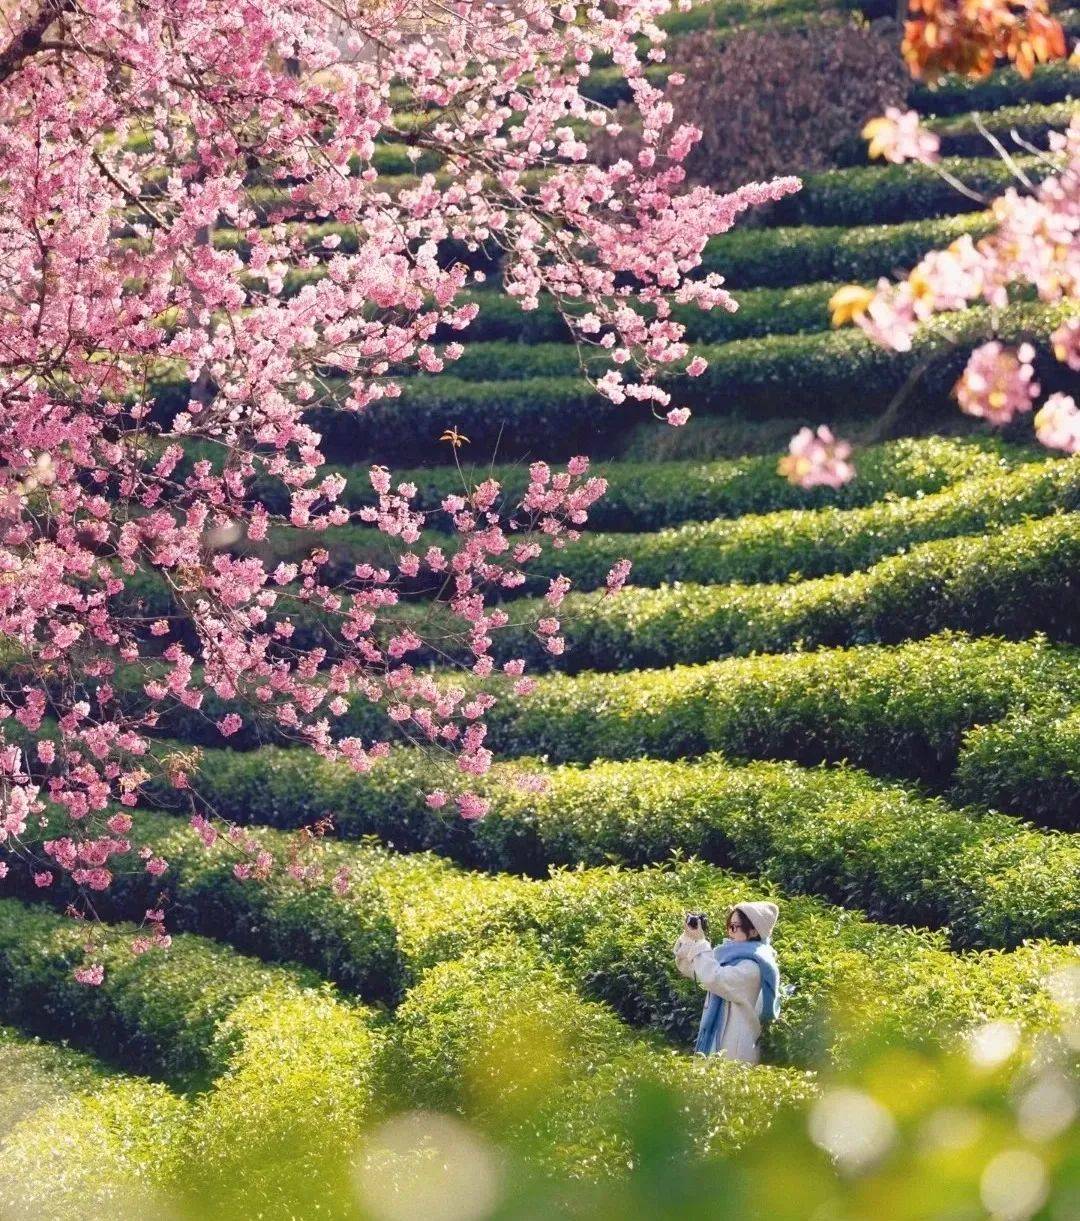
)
(878, 132)
(849, 302)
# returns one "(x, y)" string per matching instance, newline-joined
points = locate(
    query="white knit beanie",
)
(761, 915)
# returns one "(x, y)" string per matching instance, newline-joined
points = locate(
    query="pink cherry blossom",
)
(92, 974)
(1057, 423)
(817, 459)
(898, 137)
(617, 576)
(471, 807)
(997, 382)
(1066, 341)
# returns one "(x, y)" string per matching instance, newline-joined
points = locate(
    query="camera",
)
(698, 920)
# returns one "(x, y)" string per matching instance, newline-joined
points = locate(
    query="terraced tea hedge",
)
(1018, 582)
(34, 1073)
(960, 134)
(562, 917)
(643, 496)
(776, 376)
(779, 257)
(1032, 122)
(788, 256)
(158, 1013)
(301, 1056)
(92, 1139)
(874, 195)
(769, 547)
(1015, 583)
(811, 543)
(1053, 82)
(289, 1062)
(835, 833)
(901, 711)
(762, 311)
(1030, 759)
(898, 710)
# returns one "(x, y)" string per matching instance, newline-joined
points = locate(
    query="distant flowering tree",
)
(971, 36)
(1035, 244)
(169, 171)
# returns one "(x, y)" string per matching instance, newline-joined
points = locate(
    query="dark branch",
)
(28, 41)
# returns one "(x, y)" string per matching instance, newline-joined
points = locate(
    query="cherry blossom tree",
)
(188, 187)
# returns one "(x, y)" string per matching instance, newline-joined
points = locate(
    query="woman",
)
(741, 977)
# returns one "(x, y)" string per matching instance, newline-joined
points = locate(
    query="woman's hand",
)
(689, 939)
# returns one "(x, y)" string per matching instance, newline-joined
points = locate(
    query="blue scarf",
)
(728, 952)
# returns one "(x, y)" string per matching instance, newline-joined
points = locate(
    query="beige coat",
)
(739, 984)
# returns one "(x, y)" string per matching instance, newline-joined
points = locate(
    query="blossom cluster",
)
(1035, 244)
(817, 459)
(897, 136)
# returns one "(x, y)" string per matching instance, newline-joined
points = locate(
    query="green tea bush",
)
(609, 86)
(34, 1073)
(105, 1151)
(801, 254)
(960, 135)
(351, 940)
(721, 14)
(810, 543)
(506, 360)
(901, 710)
(1053, 82)
(300, 1084)
(1017, 582)
(761, 548)
(872, 195)
(772, 376)
(749, 258)
(1029, 762)
(834, 833)
(157, 1013)
(543, 413)
(989, 880)
(647, 496)
(762, 311)
(291, 1064)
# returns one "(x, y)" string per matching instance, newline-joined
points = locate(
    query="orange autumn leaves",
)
(969, 36)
